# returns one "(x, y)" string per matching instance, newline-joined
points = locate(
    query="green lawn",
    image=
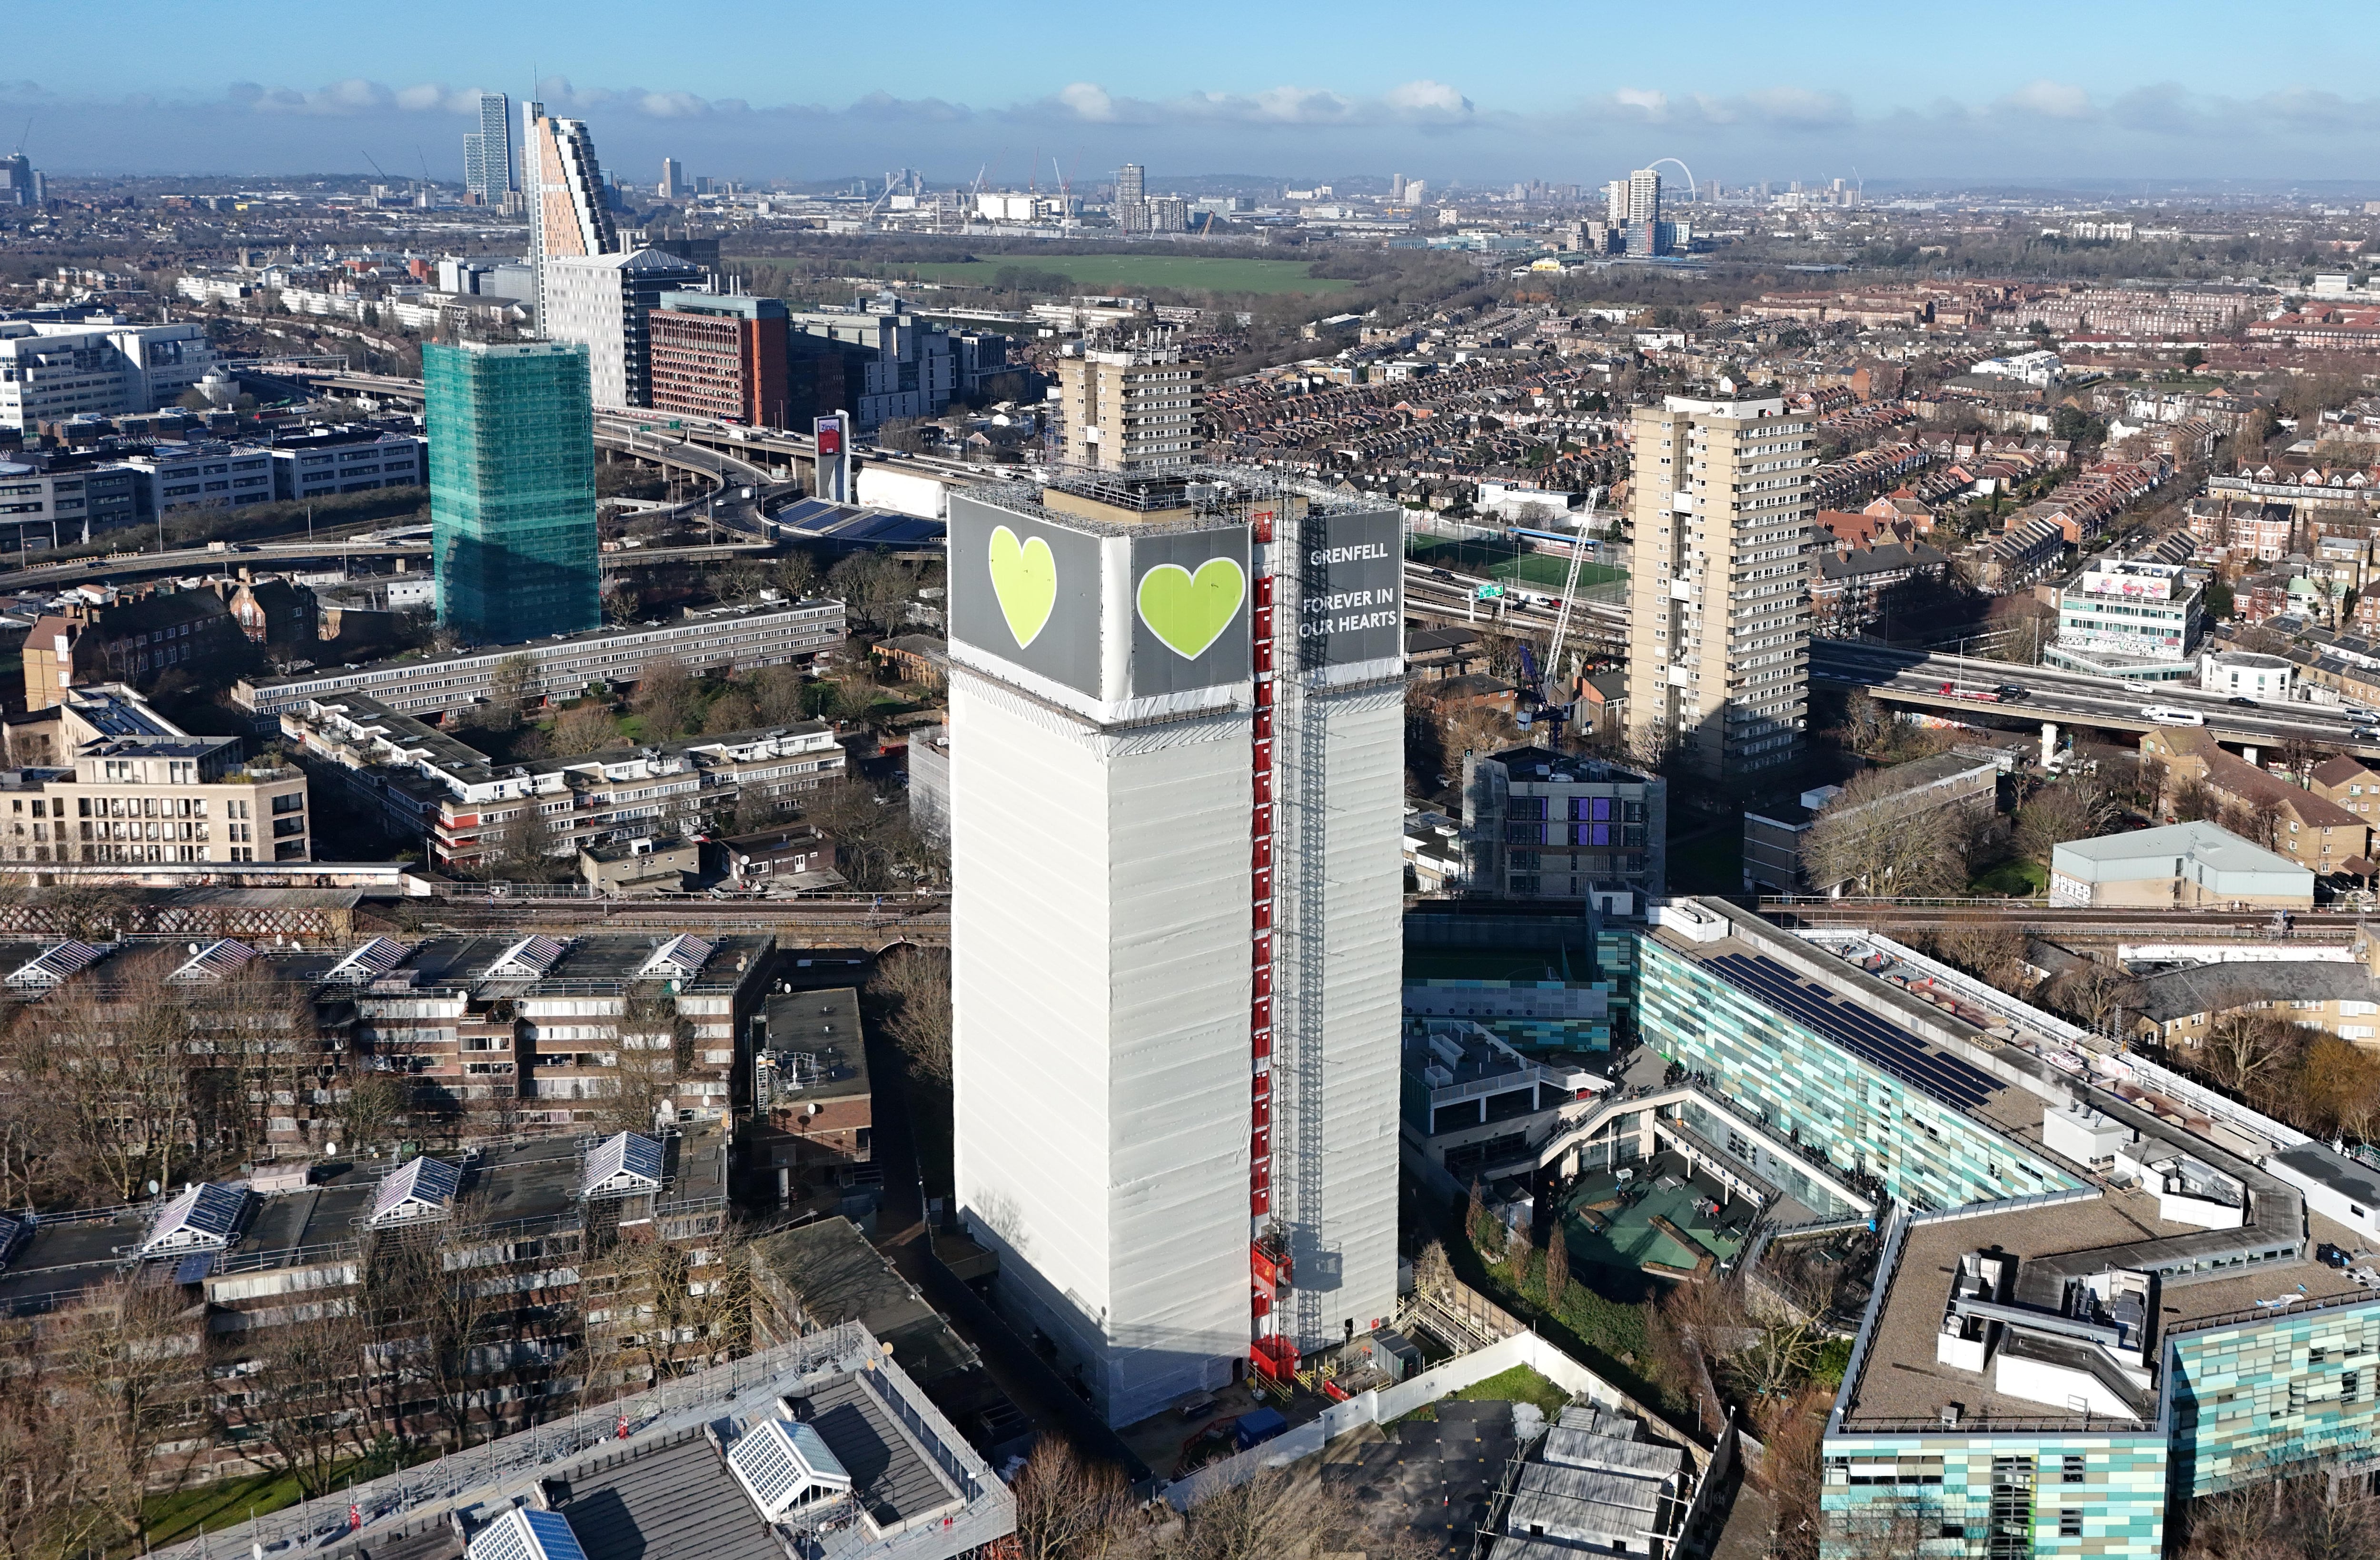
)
(223, 1505)
(1519, 1385)
(2021, 880)
(1139, 273)
(1502, 560)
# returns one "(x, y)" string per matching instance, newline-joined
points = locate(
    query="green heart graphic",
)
(1025, 577)
(1190, 612)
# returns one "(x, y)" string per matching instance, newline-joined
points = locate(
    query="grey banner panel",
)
(1191, 599)
(1351, 569)
(1025, 590)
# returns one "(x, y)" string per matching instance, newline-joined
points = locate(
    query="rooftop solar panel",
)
(682, 955)
(370, 961)
(1872, 1040)
(218, 960)
(193, 1269)
(418, 1189)
(203, 1214)
(626, 1161)
(54, 965)
(532, 955)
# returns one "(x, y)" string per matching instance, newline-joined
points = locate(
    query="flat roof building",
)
(1719, 644)
(1538, 825)
(705, 640)
(606, 303)
(512, 489)
(2181, 864)
(718, 356)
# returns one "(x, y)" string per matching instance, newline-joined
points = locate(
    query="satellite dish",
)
(194, 950)
(330, 1148)
(152, 1188)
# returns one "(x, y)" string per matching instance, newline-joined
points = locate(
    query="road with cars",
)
(1994, 692)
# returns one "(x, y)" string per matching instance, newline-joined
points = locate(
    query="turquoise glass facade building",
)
(1923, 1153)
(512, 490)
(2064, 1342)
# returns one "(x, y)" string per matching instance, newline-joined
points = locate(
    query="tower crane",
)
(1569, 592)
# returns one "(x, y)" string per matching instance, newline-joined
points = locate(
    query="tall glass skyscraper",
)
(512, 489)
(488, 151)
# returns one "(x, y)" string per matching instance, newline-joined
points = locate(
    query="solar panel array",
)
(682, 955)
(432, 1181)
(194, 1268)
(781, 1463)
(223, 957)
(53, 965)
(204, 1215)
(1872, 1040)
(370, 962)
(13, 1228)
(531, 955)
(525, 1533)
(630, 1153)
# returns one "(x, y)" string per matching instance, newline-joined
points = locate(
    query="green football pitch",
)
(1503, 560)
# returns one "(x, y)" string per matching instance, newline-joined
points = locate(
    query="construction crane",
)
(377, 168)
(1570, 593)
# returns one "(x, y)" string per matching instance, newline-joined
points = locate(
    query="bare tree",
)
(436, 1307)
(131, 1350)
(2098, 992)
(55, 1457)
(2072, 807)
(1069, 1508)
(1557, 1268)
(777, 695)
(2247, 1050)
(370, 1103)
(1991, 953)
(1777, 1360)
(1433, 1275)
(113, 1059)
(671, 1308)
(666, 698)
(298, 1392)
(586, 727)
(797, 574)
(1281, 1514)
(655, 1047)
(876, 587)
(915, 985)
(1878, 839)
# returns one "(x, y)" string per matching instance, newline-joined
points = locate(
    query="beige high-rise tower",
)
(1132, 407)
(1719, 622)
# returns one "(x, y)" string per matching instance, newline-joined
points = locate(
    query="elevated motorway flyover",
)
(1967, 689)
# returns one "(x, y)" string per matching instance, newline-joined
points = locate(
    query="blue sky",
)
(2179, 91)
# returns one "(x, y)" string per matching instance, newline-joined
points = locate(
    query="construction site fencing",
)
(1382, 1405)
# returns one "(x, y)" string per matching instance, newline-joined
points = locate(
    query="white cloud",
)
(1428, 100)
(1088, 101)
(1645, 99)
(2049, 99)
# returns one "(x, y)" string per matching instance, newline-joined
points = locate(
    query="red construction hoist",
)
(1267, 1269)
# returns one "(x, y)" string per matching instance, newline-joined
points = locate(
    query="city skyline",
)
(1783, 102)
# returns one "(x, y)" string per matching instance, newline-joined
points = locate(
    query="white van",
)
(2166, 715)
